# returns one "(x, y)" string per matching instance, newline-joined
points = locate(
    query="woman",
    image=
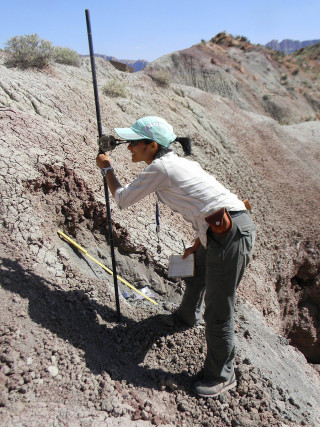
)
(220, 260)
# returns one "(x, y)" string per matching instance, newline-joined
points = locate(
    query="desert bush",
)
(274, 109)
(28, 51)
(284, 79)
(307, 84)
(64, 55)
(161, 77)
(115, 88)
(242, 39)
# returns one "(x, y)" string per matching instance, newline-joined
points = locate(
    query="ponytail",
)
(186, 144)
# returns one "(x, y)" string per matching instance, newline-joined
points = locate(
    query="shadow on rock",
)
(73, 316)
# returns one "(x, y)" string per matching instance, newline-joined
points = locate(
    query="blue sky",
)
(146, 29)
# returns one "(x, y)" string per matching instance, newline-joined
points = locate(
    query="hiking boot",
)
(207, 388)
(174, 321)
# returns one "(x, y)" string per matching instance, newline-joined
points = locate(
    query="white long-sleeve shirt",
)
(185, 187)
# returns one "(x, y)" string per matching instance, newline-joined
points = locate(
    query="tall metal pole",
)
(106, 190)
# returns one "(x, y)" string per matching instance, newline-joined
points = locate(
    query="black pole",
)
(106, 190)
(94, 77)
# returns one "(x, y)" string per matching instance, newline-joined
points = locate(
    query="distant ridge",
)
(136, 64)
(289, 46)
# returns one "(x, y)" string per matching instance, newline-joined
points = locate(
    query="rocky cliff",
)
(64, 358)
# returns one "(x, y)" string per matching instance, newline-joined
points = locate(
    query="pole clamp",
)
(104, 171)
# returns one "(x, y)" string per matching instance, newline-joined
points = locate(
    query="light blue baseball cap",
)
(150, 127)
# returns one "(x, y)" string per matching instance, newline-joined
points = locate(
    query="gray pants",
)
(218, 271)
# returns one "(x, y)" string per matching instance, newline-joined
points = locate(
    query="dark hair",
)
(161, 152)
(185, 143)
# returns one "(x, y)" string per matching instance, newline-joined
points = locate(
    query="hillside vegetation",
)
(309, 58)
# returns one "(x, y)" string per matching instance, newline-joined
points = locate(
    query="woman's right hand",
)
(103, 160)
(192, 249)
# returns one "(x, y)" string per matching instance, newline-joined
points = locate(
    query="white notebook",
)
(179, 267)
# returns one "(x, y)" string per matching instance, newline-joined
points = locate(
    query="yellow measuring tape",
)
(103, 266)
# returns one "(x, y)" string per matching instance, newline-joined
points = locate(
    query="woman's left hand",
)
(193, 248)
(103, 160)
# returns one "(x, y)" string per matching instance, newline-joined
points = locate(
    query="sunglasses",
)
(136, 142)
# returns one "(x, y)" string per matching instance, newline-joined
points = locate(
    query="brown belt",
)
(236, 213)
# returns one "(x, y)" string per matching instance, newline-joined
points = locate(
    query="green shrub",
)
(28, 51)
(64, 55)
(307, 84)
(275, 110)
(242, 39)
(161, 77)
(115, 88)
